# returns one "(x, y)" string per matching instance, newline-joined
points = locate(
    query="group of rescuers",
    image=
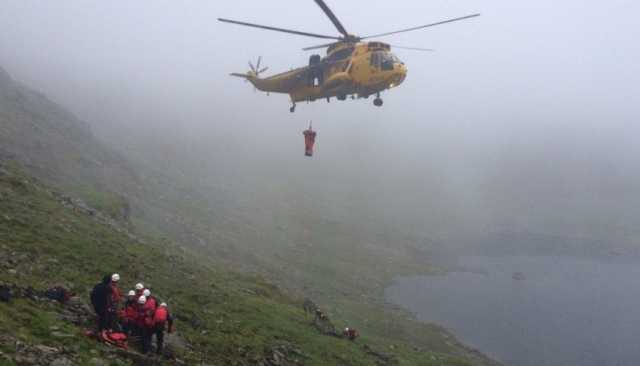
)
(139, 313)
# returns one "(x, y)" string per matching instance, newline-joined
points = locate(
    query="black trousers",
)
(103, 319)
(147, 333)
(130, 328)
(111, 318)
(159, 332)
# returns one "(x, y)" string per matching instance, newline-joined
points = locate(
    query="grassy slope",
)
(240, 315)
(345, 269)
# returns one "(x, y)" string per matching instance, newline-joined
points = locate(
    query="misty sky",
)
(524, 118)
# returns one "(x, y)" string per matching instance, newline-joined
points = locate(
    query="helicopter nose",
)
(403, 71)
(399, 74)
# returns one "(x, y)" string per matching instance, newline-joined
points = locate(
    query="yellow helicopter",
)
(351, 67)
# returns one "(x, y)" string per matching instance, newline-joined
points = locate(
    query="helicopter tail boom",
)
(250, 77)
(253, 75)
(240, 75)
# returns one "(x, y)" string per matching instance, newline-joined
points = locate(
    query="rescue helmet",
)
(115, 277)
(132, 293)
(139, 286)
(142, 300)
(146, 292)
(164, 304)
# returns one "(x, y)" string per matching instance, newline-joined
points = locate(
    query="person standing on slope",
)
(149, 307)
(113, 301)
(152, 302)
(100, 299)
(144, 322)
(129, 313)
(161, 319)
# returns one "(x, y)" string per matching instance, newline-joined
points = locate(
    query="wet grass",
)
(228, 317)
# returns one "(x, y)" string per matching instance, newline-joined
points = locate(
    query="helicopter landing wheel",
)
(292, 109)
(377, 102)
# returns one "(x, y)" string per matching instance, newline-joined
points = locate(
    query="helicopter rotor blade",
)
(332, 17)
(422, 26)
(320, 46)
(278, 29)
(258, 64)
(263, 70)
(253, 68)
(413, 48)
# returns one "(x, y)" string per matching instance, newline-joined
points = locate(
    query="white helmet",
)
(142, 300)
(132, 293)
(146, 292)
(164, 304)
(139, 286)
(115, 277)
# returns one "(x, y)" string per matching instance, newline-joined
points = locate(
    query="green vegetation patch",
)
(228, 318)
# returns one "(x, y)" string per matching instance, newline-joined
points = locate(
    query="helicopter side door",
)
(376, 68)
(363, 68)
(375, 62)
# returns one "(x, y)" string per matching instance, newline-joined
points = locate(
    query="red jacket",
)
(146, 312)
(161, 315)
(130, 312)
(162, 318)
(116, 295)
(151, 304)
(142, 316)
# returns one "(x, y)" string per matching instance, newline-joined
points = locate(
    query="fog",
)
(523, 120)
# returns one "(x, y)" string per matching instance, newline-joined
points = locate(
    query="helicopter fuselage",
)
(349, 69)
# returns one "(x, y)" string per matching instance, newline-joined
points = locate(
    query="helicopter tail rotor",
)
(253, 75)
(256, 70)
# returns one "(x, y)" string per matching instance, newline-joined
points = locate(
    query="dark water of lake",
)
(565, 311)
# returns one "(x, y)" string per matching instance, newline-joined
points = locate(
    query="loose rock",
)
(62, 361)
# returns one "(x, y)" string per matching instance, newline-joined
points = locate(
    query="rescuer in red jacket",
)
(144, 322)
(114, 296)
(350, 333)
(129, 313)
(151, 303)
(162, 320)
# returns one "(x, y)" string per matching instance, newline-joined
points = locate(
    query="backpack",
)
(58, 293)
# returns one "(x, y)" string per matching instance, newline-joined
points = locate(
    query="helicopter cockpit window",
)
(376, 59)
(340, 55)
(388, 60)
(383, 60)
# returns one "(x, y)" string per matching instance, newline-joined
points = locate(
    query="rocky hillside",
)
(55, 146)
(48, 239)
(346, 273)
